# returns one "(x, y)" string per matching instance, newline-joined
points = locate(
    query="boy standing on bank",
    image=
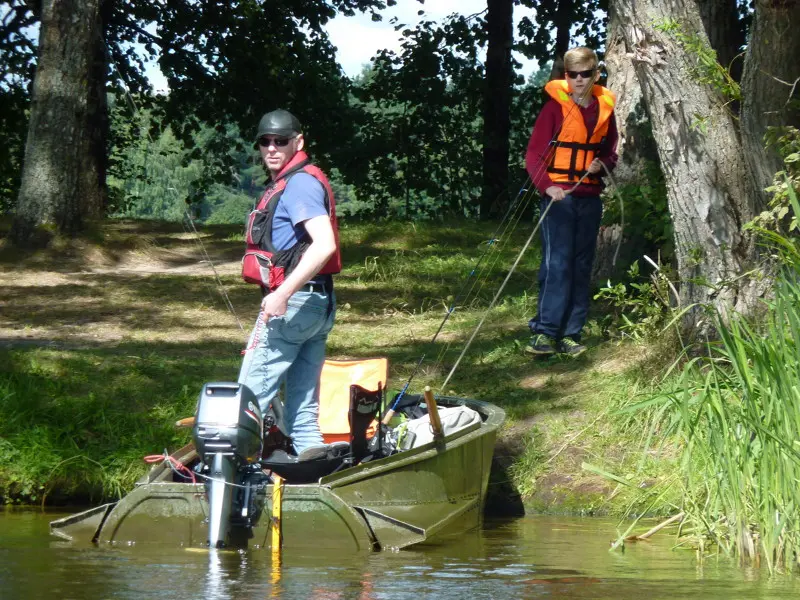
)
(573, 137)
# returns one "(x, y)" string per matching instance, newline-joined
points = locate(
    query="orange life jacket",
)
(264, 264)
(574, 149)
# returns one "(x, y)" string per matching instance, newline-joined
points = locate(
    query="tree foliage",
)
(418, 138)
(17, 66)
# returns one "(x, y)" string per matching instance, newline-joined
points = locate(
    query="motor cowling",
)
(228, 437)
(228, 420)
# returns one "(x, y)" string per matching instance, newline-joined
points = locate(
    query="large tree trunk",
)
(709, 194)
(497, 106)
(633, 123)
(771, 76)
(634, 146)
(61, 178)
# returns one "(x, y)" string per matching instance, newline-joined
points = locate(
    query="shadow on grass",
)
(110, 243)
(111, 401)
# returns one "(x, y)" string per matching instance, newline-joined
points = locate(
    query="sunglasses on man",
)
(584, 74)
(277, 142)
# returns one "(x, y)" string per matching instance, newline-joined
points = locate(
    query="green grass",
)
(735, 414)
(97, 366)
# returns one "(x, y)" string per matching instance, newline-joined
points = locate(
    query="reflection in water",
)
(275, 575)
(534, 557)
(217, 578)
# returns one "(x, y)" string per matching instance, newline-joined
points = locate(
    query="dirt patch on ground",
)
(165, 284)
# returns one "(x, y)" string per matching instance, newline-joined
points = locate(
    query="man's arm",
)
(323, 245)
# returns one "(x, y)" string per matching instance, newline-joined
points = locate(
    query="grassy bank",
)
(106, 341)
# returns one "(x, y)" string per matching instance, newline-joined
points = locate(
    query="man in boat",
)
(292, 253)
(573, 144)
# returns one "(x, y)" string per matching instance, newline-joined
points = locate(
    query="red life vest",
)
(575, 149)
(264, 264)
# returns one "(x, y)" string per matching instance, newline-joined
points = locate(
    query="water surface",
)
(533, 557)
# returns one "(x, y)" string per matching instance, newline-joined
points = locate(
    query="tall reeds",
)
(736, 414)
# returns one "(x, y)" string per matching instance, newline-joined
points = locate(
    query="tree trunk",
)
(497, 106)
(709, 194)
(725, 32)
(771, 77)
(633, 124)
(563, 22)
(61, 178)
(634, 147)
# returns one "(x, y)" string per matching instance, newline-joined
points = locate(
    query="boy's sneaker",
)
(541, 345)
(569, 346)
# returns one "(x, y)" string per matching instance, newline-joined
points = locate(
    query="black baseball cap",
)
(279, 122)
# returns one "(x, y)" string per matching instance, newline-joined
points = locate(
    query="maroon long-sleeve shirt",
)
(545, 130)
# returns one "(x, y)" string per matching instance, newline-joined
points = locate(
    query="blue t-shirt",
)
(302, 199)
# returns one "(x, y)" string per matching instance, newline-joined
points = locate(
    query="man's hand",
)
(556, 193)
(274, 305)
(595, 167)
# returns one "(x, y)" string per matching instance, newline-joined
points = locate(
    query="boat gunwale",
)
(494, 417)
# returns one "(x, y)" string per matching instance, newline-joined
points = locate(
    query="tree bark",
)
(633, 123)
(709, 194)
(771, 78)
(61, 178)
(497, 106)
(634, 146)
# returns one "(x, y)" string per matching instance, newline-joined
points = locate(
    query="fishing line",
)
(187, 216)
(454, 304)
(621, 213)
(542, 167)
(487, 270)
(526, 191)
(503, 285)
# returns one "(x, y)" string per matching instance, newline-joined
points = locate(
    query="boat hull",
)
(418, 496)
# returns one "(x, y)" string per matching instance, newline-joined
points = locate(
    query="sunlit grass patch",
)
(132, 349)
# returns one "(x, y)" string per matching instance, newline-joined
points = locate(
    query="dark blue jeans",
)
(569, 237)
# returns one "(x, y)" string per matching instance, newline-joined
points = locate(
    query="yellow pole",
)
(277, 534)
(433, 413)
(275, 525)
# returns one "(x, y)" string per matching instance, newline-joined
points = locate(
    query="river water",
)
(532, 557)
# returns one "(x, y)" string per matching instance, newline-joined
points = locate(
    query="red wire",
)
(154, 458)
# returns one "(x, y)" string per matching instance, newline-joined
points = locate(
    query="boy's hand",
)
(556, 193)
(595, 167)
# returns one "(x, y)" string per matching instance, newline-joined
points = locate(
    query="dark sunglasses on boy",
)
(277, 142)
(585, 74)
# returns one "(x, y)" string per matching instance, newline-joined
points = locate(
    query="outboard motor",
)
(228, 437)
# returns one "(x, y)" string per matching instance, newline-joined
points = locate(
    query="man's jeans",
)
(569, 237)
(290, 350)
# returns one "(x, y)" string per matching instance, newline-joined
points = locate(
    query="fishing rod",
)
(503, 285)
(490, 245)
(186, 214)
(530, 239)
